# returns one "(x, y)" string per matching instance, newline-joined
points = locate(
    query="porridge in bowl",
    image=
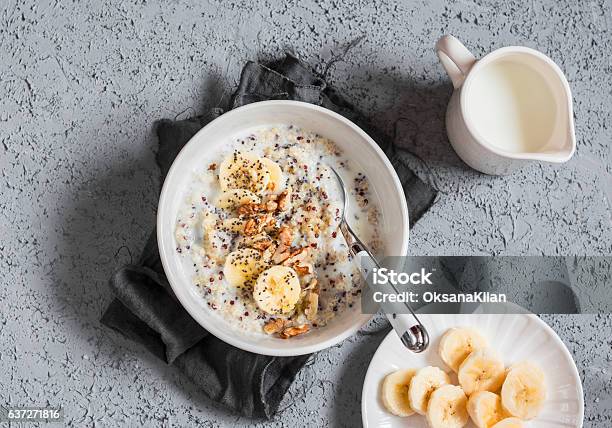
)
(259, 226)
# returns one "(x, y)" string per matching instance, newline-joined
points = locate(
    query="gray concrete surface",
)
(81, 84)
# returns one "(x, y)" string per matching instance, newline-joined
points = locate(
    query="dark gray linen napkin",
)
(146, 311)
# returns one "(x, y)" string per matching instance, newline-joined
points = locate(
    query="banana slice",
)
(524, 390)
(212, 237)
(234, 224)
(509, 423)
(260, 242)
(235, 197)
(482, 370)
(244, 171)
(424, 382)
(457, 344)
(485, 409)
(277, 290)
(242, 267)
(395, 392)
(447, 408)
(275, 184)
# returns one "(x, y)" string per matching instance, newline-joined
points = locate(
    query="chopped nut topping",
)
(296, 256)
(256, 224)
(281, 254)
(262, 244)
(248, 209)
(283, 200)
(270, 223)
(294, 331)
(252, 209)
(271, 206)
(274, 326)
(285, 235)
(303, 268)
(269, 252)
(250, 227)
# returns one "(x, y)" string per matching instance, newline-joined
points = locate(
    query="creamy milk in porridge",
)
(260, 227)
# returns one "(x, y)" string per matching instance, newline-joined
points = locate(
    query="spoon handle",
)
(408, 327)
(410, 330)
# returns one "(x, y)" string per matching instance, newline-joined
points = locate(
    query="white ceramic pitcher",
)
(512, 107)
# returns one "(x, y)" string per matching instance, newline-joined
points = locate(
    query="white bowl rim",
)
(181, 292)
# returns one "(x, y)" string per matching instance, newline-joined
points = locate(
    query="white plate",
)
(516, 337)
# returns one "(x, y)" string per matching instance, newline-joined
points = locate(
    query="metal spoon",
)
(410, 330)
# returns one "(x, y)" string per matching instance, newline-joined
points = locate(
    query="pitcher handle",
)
(456, 59)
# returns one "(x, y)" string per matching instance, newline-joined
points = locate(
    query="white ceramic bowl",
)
(362, 151)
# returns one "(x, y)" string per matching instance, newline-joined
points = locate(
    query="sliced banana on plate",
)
(447, 408)
(482, 370)
(277, 290)
(485, 409)
(395, 392)
(458, 343)
(424, 382)
(524, 390)
(509, 423)
(489, 394)
(244, 171)
(233, 198)
(242, 267)
(275, 185)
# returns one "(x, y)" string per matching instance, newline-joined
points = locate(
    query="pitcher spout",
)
(562, 144)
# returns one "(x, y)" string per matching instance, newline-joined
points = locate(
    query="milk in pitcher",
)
(512, 107)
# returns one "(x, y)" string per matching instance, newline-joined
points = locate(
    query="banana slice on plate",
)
(242, 267)
(395, 392)
(275, 185)
(485, 409)
(424, 382)
(524, 390)
(244, 171)
(447, 408)
(509, 423)
(458, 343)
(482, 370)
(277, 290)
(235, 197)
